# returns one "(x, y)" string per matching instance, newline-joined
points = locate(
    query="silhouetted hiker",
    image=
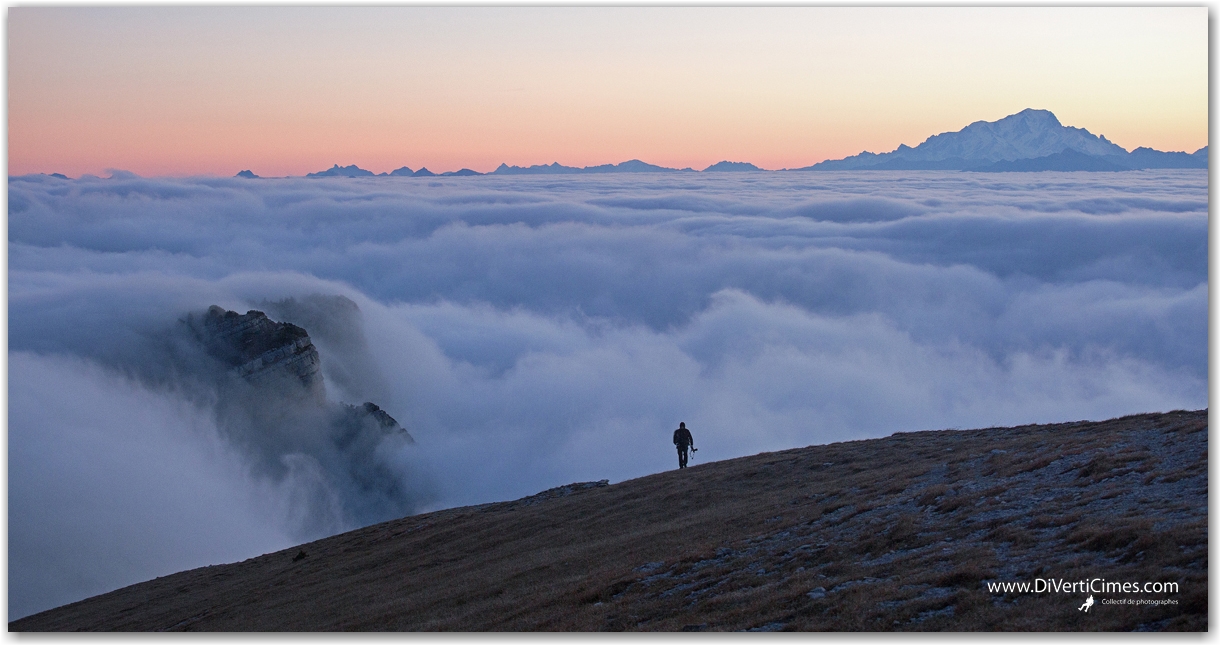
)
(683, 440)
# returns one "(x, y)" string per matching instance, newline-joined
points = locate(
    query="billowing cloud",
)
(533, 331)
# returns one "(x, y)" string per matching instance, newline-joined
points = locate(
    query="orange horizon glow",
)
(287, 91)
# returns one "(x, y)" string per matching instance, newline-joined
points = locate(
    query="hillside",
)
(899, 533)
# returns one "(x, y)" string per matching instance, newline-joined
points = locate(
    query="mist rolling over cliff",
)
(533, 331)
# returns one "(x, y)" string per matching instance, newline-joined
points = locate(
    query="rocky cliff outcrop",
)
(260, 349)
(265, 352)
(270, 398)
(365, 419)
(336, 327)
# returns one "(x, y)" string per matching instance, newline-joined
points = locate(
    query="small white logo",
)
(1088, 603)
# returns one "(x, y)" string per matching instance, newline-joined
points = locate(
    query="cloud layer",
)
(533, 331)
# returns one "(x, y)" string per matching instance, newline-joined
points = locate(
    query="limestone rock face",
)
(336, 326)
(271, 399)
(260, 349)
(381, 417)
(357, 420)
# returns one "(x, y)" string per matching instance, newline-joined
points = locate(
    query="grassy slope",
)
(885, 534)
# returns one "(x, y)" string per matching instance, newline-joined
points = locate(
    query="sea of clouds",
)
(534, 331)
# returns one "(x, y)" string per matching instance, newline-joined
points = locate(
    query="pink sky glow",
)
(286, 91)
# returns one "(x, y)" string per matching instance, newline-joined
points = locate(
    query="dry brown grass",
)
(900, 533)
(931, 494)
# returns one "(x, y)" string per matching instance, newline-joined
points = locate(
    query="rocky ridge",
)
(270, 398)
(259, 349)
(1029, 141)
(262, 351)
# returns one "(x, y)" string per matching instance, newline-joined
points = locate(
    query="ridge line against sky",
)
(179, 91)
(638, 165)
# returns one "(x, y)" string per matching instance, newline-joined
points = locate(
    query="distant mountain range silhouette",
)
(1028, 141)
(731, 166)
(343, 171)
(356, 171)
(634, 165)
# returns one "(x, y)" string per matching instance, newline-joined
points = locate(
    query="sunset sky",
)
(285, 91)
